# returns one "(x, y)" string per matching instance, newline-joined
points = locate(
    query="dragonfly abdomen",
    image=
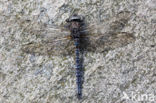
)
(78, 68)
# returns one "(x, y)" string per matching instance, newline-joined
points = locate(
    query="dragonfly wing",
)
(56, 47)
(48, 31)
(108, 34)
(52, 40)
(109, 41)
(112, 24)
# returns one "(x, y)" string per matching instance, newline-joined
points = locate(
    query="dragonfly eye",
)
(75, 17)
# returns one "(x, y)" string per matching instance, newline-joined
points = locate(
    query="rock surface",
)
(126, 74)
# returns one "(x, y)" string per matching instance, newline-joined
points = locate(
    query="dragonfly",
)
(78, 36)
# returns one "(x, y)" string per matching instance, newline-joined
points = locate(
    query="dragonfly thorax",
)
(75, 28)
(75, 25)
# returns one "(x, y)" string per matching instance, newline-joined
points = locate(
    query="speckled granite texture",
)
(126, 74)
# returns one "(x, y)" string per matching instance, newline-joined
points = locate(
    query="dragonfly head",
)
(75, 17)
(75, 23)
